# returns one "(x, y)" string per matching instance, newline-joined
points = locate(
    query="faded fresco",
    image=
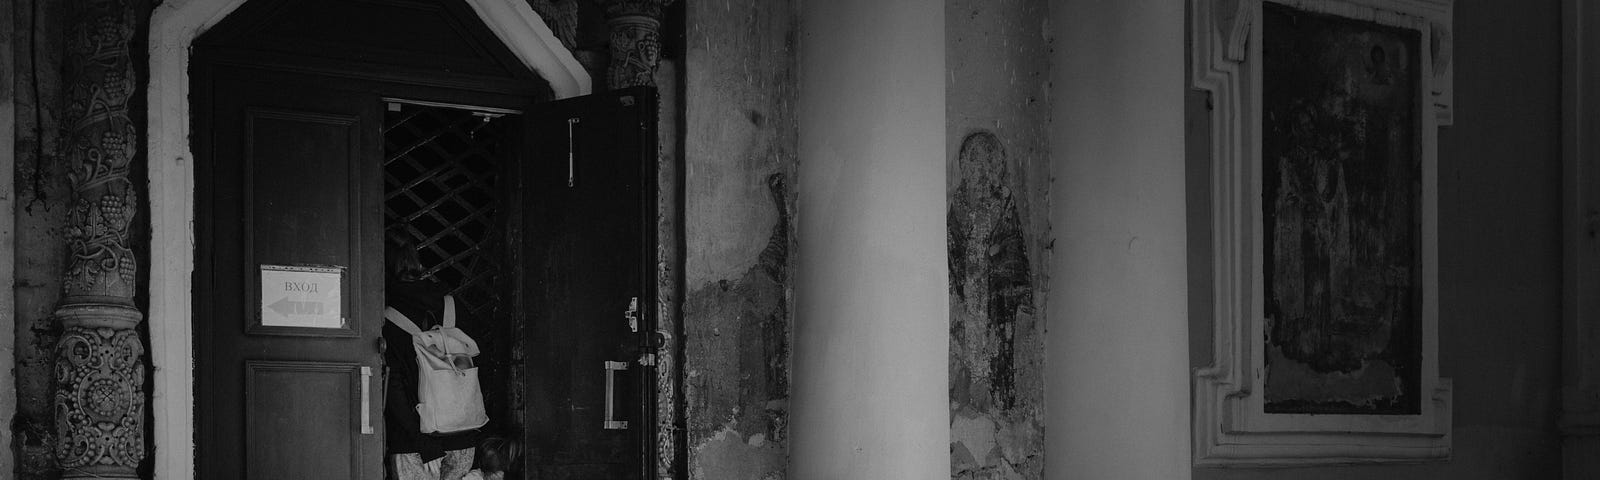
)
(997, 234)
(994, 420)
(1341, 215)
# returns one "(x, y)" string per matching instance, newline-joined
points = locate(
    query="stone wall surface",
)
(997, 110)
(8, 137)
(42, 192)
(739, 149)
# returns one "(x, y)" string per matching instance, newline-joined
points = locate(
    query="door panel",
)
(299, 191)
(300, 184)
(287, 406)
(588, 252)
(287, 173)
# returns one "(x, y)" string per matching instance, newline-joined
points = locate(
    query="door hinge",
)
(632, 314)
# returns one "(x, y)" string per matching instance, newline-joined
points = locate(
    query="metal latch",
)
(647, 359)
(633, 314)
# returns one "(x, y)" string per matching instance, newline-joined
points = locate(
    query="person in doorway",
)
(496, 455)
(411, 454)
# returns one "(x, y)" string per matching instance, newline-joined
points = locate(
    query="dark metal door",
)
(588, 257)
(289, 212)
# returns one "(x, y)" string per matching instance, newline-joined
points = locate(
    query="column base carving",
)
(99, 396)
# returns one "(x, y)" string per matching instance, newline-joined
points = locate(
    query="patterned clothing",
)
(453, 466)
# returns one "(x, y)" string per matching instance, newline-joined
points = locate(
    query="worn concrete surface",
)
(42, 189)
(739, 150)
(997, 110)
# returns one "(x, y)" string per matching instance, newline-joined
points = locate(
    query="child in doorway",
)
(496, 455)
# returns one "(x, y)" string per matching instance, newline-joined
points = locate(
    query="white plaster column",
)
(1117, 383)
(872, 308)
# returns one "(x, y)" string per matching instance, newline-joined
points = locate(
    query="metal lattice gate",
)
(442, 189)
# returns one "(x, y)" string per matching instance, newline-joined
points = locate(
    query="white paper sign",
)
(296, 296)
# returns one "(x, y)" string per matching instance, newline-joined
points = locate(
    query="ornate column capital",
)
(635, 41)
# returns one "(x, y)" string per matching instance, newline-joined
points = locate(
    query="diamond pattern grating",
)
(441, 191)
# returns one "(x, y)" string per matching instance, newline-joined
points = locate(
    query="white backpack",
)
(448, 395)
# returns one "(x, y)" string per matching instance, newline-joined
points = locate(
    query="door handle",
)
(611, 395)
(572, 154)
(366, 400)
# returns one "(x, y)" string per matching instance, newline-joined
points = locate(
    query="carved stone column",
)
(635, 41)
(99, 402)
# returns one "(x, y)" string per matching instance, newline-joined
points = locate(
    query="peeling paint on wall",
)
(998, 116)
(739, 148)
(738, 381)
(995, 427)
(1341, 176)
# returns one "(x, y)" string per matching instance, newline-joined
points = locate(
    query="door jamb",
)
(174, 25)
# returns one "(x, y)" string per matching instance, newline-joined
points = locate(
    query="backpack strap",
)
(400, 320)
(449, 311)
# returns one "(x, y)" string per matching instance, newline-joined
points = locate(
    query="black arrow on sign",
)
(287, 307)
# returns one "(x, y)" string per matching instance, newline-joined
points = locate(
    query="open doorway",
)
(318, 131)
(444, 172)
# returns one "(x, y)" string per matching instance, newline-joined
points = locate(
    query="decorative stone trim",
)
(99, 401)
(635, 41)
(1231, 427)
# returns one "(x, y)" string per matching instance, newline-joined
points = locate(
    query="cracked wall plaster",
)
(739, 163)
(998, 231)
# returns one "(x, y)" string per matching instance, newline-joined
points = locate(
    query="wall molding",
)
(173, 27)
(1231, 428)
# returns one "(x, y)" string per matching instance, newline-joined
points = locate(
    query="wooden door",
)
(588, 249)
(289, 202)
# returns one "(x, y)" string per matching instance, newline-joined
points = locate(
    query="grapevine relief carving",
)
(99, 400)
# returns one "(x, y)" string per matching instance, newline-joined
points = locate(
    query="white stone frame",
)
(173, 27)
(1231, 428)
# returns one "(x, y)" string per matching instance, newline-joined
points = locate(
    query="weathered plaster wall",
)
(998, 117)
(1499, 252)
(8, 195)
(739, 148)
(41, 190)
